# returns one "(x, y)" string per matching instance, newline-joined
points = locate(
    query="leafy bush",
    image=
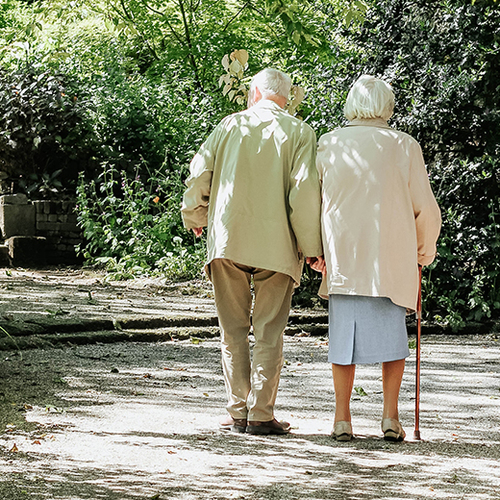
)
(462, 285)
(441, 59)
(38, 121)
(134, 228)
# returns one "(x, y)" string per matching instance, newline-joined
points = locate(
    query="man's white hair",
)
(270, 82)
(369, 97)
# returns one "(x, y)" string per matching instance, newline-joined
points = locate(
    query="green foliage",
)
(463, 283)
(360, 391)
(307, 294)
(38, 120)
(125, 91)
(134, 228)
(442, 60)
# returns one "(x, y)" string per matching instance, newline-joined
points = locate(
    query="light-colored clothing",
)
(251, 386)
(255, 185)
(379, 216)
(366, 330)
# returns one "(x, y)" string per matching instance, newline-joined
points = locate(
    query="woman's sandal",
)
(342, 431)
(392, 429)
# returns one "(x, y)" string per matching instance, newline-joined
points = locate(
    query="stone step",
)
(4, 255)
(26, 251)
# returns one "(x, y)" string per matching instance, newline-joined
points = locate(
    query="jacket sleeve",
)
(196, 197)
(425, 208)
(305, 197)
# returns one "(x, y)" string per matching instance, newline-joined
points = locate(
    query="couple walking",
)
(360, 210)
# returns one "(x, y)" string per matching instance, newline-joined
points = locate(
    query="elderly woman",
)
(380, 222)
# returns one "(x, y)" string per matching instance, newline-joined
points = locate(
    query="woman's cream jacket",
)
(379, 216)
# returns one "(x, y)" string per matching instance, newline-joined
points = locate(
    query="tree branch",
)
(144, 39)
(235, 16)
(190, 45)
(170, 27)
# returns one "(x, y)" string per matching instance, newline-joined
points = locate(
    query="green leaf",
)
(360, 391)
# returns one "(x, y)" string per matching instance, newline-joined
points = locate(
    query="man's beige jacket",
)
(255, 185)
(379, 217)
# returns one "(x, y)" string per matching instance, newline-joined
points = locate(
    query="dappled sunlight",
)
(62, 306)
(136, 420)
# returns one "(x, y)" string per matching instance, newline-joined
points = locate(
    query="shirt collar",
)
(369, 122)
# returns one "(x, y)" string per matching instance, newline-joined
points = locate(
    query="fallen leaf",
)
(360, 391)
(36, 442)
(14, 449)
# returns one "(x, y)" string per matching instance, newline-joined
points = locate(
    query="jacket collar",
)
(268, 104)
(369, 122)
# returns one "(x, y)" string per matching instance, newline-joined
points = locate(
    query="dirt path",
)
(130, 421)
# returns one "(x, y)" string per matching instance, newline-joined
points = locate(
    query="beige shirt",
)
(255, 185)
(379, 217)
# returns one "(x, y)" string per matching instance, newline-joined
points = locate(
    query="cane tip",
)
(416, 435)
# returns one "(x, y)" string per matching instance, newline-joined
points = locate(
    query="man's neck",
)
(278, 99)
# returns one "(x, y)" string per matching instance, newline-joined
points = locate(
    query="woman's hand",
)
(317, 263)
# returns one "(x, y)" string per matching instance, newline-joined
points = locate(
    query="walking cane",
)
(416, 434)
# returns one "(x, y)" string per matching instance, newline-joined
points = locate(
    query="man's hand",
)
(317, 263)
(198, 231)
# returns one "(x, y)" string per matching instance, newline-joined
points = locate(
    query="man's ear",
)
(254, 97)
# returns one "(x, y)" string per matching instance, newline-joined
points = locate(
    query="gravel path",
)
(138, 420)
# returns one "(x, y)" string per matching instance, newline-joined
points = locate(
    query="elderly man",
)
(254, 184)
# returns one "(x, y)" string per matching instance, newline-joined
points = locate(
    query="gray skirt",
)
(366, 330)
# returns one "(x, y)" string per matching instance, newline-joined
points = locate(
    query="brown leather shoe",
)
(233, 424)
(266, 428)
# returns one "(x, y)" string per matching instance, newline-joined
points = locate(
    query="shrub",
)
(463, 284)
(39, 120)
(441, 59)
(134, 227)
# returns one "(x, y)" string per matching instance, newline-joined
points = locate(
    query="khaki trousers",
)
(251, 382)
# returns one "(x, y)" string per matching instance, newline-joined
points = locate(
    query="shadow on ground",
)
(139, 420)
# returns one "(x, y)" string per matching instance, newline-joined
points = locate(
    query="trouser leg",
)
(233, 301)
(273, 295)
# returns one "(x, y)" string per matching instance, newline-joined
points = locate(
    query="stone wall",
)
(39, 232)
(56, 221)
